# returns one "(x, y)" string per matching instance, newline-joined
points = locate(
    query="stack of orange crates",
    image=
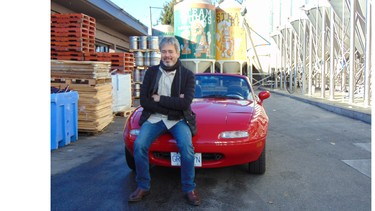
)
(71, 36)
(97, 56)
(122, 62)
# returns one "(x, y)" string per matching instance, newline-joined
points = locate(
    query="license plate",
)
(176, 159)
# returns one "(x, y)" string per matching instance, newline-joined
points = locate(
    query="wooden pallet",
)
(81, 70)
(125, 113)
(79, 81)
(72, 58)
(72, 17)
(94, 126)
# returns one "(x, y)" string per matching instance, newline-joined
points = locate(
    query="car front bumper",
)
(214, 154)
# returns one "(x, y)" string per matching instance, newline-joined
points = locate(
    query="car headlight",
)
(234, 134)
(134, 132)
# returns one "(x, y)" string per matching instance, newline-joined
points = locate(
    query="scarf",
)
(168, 69)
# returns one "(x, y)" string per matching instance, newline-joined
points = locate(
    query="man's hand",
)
(182, 95)
(156, 97)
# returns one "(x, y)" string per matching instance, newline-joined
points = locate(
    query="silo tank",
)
(230, 37)
(194, 27)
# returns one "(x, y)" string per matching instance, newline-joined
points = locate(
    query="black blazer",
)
(174, 107)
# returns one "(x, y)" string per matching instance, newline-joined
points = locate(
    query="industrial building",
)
(326, 47)
(316, 48)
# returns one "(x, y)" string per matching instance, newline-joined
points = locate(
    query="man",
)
(166, 95)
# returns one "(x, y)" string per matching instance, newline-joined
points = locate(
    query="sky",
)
(140, 9)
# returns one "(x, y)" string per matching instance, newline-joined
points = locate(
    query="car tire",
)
(129, 159)
(258, 166)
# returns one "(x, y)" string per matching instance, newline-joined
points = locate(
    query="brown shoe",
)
(193, 198)
(138, 195)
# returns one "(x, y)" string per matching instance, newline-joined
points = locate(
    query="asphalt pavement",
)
(316, 160)
(338, 105)
(63, 160)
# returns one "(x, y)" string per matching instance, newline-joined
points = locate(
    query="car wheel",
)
(129, 159)
(258, 166)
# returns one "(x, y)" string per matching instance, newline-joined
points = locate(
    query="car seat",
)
(198, 91)
(236, 90)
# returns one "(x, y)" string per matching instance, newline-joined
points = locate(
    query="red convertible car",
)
(232, 126)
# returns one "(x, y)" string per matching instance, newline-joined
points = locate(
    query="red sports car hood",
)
(215, 116)
(222, 115)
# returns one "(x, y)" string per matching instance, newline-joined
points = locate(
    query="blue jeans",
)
(147, 135)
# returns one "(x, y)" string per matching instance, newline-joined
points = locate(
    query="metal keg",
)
(138, 58)
(155, 58)
(137, 75)
(142, 74)
(153, 42)
(133, 42)
(146, 61)
(137, 90)
(143, 42)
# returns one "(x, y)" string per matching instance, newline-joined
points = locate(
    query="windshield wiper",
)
(223, 97)
(214, 96)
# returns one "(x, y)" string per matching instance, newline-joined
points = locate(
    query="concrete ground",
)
(338, 105)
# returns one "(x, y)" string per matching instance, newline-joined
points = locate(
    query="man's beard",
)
(169, 66)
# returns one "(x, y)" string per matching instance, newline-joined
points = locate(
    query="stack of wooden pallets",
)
(73, 38)
(92, 80)
(121, 62)
(72, 35)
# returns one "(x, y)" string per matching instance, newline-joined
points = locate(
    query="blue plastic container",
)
(64, 118)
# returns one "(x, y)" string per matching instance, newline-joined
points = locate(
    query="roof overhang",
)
(107, 13)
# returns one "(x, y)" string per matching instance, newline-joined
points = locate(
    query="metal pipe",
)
(368, 52)
(285, 55)
(295, 62)
(331, 59)
(248, 30)
(343, 59)
(309, 90)
(352, 50)
(323, 70)
(251, 70)
(150, 22)
(276, 64)
(290, 58)
(304, 57)
(281, 60)
(150, 32)
(317, 59)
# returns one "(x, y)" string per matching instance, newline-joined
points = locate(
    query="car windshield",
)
(222, 86)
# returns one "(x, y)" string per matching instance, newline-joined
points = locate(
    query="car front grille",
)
(205, 156)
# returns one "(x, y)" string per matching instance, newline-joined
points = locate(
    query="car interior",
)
(221, 86)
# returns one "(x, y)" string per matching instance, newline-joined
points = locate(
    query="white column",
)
(304, 57)
(368, 53)
(323, 70)
(309, 89)
(353, 10)
(332, 59)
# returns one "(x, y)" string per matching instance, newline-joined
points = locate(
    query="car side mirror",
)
(264, 95)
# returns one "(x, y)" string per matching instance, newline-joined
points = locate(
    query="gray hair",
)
(170, 40)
